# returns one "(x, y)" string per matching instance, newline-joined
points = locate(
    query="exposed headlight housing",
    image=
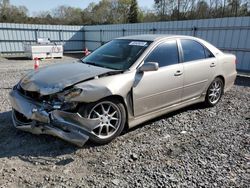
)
(73, 93)
(68, 94)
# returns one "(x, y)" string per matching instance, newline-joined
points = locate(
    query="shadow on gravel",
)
(22, 144)
(75, 55)
(17, 58)
(165, 116)
(16, 143)
(242, 81)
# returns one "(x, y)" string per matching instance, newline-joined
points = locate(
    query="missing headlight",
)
(72, 93)
(68, 94)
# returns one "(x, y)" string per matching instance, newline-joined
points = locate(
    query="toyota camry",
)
(121, 84)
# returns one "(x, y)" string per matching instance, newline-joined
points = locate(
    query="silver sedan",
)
(123, 83)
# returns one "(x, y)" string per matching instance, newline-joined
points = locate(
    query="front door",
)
(157, 89)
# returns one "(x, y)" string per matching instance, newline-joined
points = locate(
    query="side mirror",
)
(149, 66)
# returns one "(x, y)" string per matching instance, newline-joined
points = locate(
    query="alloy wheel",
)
(110, 118)
(215, 91)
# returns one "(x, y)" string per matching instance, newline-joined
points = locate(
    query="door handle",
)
(178, 73)
(212, 64)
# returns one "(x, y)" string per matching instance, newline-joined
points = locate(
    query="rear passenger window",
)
(192, 50)
(165, 54)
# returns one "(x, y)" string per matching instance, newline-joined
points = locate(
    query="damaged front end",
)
(52, 115)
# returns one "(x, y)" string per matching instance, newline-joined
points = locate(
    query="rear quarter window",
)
(208, 53)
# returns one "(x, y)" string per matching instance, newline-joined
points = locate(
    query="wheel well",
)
(222, 78)
(117, 97)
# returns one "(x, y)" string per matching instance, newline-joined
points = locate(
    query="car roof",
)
(158, 37)
(150, 37)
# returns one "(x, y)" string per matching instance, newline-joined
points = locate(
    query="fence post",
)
(60, 35)
(84, 38)
(101, 36)
(153, 30)
(123, 32)
(37, 34)
(194, 29)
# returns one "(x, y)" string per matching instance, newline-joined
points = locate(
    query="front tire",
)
(112, 116)
(214, 92)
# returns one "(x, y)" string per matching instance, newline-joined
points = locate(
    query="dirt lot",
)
(193, 147)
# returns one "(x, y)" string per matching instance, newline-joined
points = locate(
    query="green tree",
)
(68, 15)
(133, 12)
(10, 13)
(108, 12)
(122, 8)
(147, 15)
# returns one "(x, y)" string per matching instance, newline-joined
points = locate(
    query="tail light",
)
(235, 61)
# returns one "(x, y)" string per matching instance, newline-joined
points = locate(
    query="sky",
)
(45, 5)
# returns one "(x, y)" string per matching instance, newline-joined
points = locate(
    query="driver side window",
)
(165, 54)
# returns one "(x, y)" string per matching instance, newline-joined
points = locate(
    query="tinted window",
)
(164, 54)
(208, 53)
(117, 54)
(192, 50)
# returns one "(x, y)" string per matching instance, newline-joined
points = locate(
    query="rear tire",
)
(112, 116)
(214, 92)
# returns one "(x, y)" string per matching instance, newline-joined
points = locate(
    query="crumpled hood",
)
(55, 78)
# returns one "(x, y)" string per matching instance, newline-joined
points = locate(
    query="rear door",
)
(157, 89)
(199, 68)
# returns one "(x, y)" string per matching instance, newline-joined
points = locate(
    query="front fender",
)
(96, 89)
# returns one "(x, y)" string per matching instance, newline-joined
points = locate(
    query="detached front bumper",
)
(71, 127)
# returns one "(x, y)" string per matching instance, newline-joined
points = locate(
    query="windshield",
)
(117, 54)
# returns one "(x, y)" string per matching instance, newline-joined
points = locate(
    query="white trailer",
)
(43, 49)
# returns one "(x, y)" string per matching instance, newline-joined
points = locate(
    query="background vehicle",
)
(124, 82)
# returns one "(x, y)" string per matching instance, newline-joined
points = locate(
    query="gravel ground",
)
(193, 147)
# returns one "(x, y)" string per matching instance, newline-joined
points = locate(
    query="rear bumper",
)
(71, 127)
(229, 81)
